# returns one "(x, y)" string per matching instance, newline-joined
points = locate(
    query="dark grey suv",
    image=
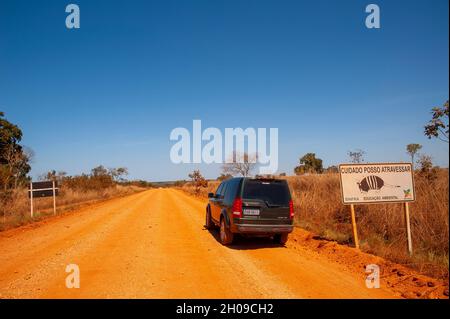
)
(251, 206)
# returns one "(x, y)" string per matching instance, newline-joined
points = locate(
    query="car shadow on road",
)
(246, 243)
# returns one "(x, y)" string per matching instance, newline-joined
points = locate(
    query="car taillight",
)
(291, 209)
(237, 208)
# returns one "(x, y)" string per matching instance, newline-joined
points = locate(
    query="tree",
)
(198, 180)
(425, 162)
(240, 164)
(118, 174)
(426, 168)
(412, 150)
(356, 156)
(10, 135)
(14, 158)
(14, 162)
(224, 177)
(333, 169)
(100, 178)
(99, 171)
(438, 125)
(18, 166)
(309, 164)
(53, 176)
(5, 179)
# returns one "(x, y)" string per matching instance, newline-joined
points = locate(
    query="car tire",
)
(281, 238)
(208, 223)
(226, 236)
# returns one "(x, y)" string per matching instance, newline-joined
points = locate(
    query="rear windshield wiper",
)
(271, 205)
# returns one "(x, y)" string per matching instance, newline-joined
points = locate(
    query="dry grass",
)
(16, 211)
(381, 227)
(203, 193)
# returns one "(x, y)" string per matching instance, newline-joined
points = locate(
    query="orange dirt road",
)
(153, 245)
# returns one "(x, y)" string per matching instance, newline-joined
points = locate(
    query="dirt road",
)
(153, 245)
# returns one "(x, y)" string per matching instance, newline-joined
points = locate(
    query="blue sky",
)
(111, 92)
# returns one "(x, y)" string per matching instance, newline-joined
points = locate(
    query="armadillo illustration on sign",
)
(372, 182)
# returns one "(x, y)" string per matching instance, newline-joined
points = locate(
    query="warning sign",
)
(376, 183)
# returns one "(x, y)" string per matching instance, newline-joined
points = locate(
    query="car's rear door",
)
(266, 200)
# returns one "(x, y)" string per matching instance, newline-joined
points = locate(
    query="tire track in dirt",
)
(228, 275)
(301, 273)
(31, 258)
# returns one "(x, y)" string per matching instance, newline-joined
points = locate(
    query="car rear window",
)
(273, 192)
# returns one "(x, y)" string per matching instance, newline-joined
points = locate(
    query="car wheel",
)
(281, 238)
(208, 222)
(226, 236)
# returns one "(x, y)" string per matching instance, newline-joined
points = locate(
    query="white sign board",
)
(376, 183)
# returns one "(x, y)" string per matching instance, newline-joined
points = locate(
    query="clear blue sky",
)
(111, 92)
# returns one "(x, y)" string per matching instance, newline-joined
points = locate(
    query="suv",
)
(251, 206)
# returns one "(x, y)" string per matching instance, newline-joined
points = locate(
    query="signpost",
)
(377, 183)
(355, 231)
(43, 189)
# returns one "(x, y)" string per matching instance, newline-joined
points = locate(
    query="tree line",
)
(99, 177)
(16, 159)
(437, 127)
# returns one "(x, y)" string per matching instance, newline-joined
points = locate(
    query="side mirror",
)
(210, 195)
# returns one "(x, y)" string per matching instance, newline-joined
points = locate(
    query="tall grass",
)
(381, 227)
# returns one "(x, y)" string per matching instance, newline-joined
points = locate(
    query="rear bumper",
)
(263, 229)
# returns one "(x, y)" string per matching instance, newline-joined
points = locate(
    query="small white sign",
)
(376, 183)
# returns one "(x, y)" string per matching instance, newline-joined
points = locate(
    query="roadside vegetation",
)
(15, 164)
(381, 227)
